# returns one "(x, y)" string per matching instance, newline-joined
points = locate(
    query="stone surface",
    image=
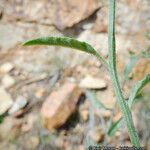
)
(141, 68)
(97, 134)
(98, 41)
(18, 104)
(107, 98)
(60, 105)
(136, 16)
(10, 128)
(101, 23)
(68, 13)
(33, 142)
(30, 122)
(61, 13)
(84, 115)
(6, 67)
(8, 81)
(90, 82)
(5, 101)
(10, 35)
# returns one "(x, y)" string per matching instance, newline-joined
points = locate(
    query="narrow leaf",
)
(132, 99)
(114, 127)
(66, 42)
(130, 66)
(137, 88)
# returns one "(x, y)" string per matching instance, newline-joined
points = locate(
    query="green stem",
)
(113, 73)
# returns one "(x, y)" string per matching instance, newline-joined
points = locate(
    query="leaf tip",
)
(26, 43)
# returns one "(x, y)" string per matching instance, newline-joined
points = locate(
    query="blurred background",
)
(53, 98)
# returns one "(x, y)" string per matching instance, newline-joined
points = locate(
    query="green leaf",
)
(66, 42)
(132, 99)
(137, 88)
(130, 65)
(114, 127)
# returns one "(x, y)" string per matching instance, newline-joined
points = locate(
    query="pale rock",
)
(84, 114)
(5, 101)
(97, 134)
(40, 92)
(20, 103)
(141, 69)
(8, 81)
(71, 12)
(90, 82)
(29, 123)
(33, 142)
(15, 35)
(106, 114)
(107, 98)
(101, 22)
(87, 26)
(9, 127)
(98, 41)
(60, 105)
(6, 67)
(61, 13)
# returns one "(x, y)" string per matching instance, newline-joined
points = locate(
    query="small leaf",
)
(114, 127)
(137, 88)
(130, 66)
(66, 42)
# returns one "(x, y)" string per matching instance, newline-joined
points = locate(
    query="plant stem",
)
(113, 73)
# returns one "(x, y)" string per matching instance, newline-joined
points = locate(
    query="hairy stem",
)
(113, 73)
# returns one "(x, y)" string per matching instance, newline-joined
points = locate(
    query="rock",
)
(15, 33)
(61, 13)
(10, 128)
(60, 105)
(107, 98)
(71, 12)
(39, 93)
(33, 142)
(6, 127)
(20, 103)
(148, 145)
(87, 26)
(6, 67)
(29, 123)
(105, 113)
(101, 22)
(5, 101)
(7, 81)
(90, 82)
(84, 114)
(97, 134)
(98, 41)
(141, 68)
